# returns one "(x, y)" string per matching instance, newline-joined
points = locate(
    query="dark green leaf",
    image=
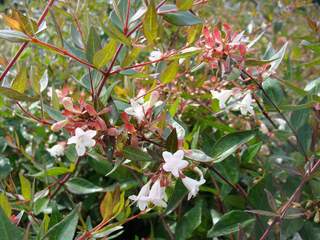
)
(135, 154)
(189, 222)
(228, 144)
(93, 44)
(13, 94)
(5, 167)
(8, 230)
(230, 223)
(82, 186)
(172, 141)
(65, 229)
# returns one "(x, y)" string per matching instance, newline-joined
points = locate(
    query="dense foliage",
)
(185, 119)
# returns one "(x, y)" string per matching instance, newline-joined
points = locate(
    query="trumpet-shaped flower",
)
(142, 198)
(82, 139)
(157, 194)
(56, 150)
(245, 105)
(174, 163)
(192, 185)
(222, 96)
(136, 110)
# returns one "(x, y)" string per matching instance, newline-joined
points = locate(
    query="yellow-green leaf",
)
(104, 55)
(25, 187)
(5, 205)
(150, 23)
(19, 84)
(184, 4)
(132, 55)
(15, 95)
(116, 34)
(170, 73)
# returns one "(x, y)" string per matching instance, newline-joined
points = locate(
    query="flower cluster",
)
(155, 194)
(236, 100)
(222, 47)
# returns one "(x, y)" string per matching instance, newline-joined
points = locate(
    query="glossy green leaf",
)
(184, 4)
(189, 222)
(104, 55)
(150, 23)
(273, 88)
(39, 205)
(93, 44)
(228, 144)
(5, 205)
(54, 171)
(82, 186)
(179, 193)
(179, 18)
(5, 167)
(230, 223)
(8, 230)
(20, 83)
(13, 36)
(116, 34)
(172, 141)
(135, 154)
(44, 80)
(65, 229)
(25, 187)
(170, 73)
(15, 95)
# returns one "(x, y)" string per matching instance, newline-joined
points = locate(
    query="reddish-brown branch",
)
(24, 45)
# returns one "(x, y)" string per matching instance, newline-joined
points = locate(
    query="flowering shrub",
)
(158, 120)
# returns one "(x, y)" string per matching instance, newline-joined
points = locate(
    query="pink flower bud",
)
(59, 125)
(68, 104)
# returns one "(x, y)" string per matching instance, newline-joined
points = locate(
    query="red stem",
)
(24, 45)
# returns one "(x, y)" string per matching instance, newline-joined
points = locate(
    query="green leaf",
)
(135, 154)
(5, 167)
(257, 62)
(25, 187)
(230, 223)
(93, 44)
(65, 229)
(13, 36)
(198, 155)
(179, 18)
(184, 4)
(276, 60)
(54, 171)
(53, 113)
(273, 88)
(104, 55)
(179, 193)
(189, 222)
(20, 83)
(13, 94)
(249, 154)
(170, 73)
(116, 34)
(172, 141)
(150, 23)
(186, 53)
(44, 81)
(228, 144)
(8, 230)
(5, 204)
(82, 186)
(39, 205)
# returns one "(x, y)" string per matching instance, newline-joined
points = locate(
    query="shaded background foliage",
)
(268, 167)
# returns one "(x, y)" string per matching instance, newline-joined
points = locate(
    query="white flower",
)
(140, 108)
(56, 150)
(136, 110)
(142, 199)
(281, 124)
(155, 55)
(245, 105)
(222, 96)
(157, 194)
(192, 185)
(82, 139)
(174, 162)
